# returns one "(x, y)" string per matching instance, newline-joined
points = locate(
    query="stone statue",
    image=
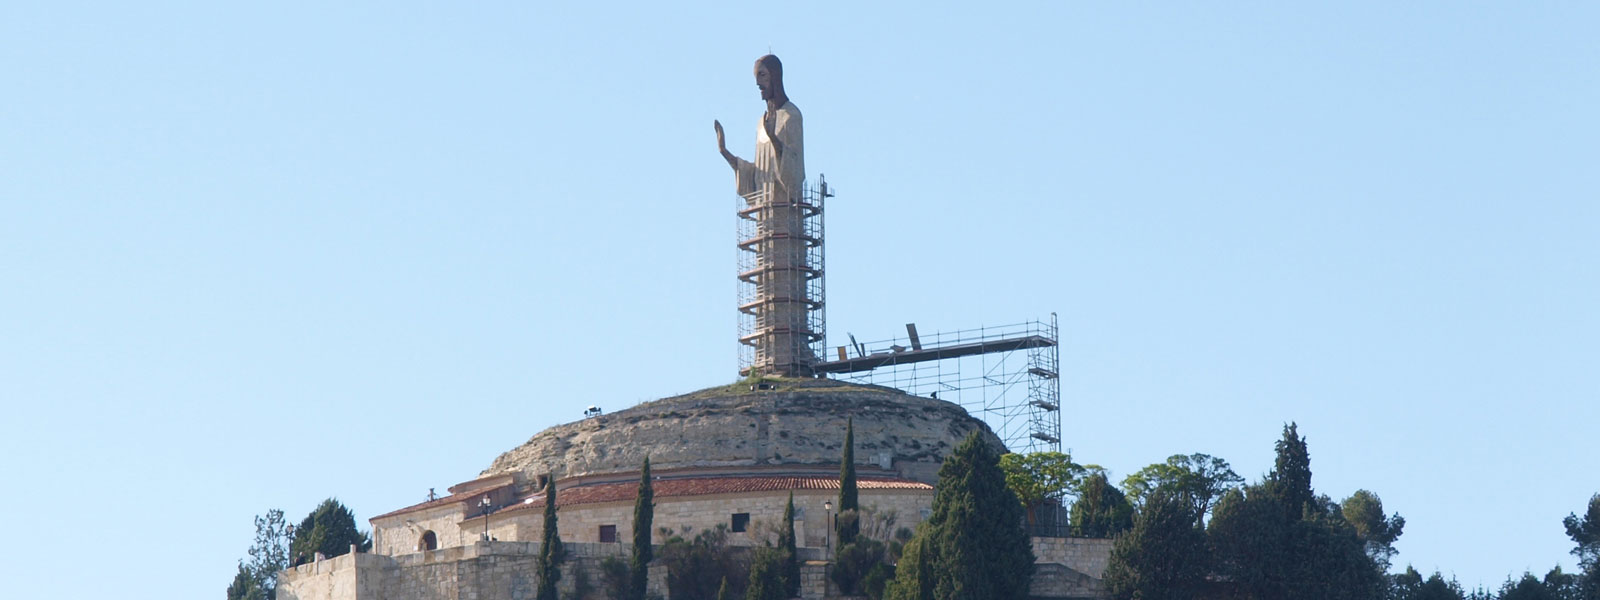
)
(780, 165)
(773, 188)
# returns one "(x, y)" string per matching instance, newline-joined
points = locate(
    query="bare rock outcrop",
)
(798, 424)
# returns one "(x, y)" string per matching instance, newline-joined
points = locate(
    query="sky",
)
(256, 255)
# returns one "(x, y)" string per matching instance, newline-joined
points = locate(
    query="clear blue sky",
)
(252, 256)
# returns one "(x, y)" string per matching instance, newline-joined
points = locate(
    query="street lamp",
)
(827, 535)
(486, 503)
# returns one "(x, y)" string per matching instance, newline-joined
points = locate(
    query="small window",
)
(429, 541)
(741, 522)
(608, 534)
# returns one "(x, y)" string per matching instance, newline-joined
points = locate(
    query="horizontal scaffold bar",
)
(882, 359)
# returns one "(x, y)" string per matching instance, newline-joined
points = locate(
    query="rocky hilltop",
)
(797, 424)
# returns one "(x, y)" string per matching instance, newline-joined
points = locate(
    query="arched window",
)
(429, 541)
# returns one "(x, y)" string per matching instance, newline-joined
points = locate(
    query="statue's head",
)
(769, 77)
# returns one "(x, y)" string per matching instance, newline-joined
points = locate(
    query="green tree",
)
(1102, 510)
(1526, 588)
(269, 554)
(644, 510)
(973, 546)
(1363, 510)
(1248, 535)
(1563, 585)
(330, 529)
(1163, 556)
(1585, 532)
(1290, 479)
(246, 585)
(1198, 478)
(722, 592)
(913, 577)
(1278, 539)
(696, 567)
(1410, 585)
(551, 552)
(766, 580)
(1038, 477)
(854, 561)
(848, 523)
(788, 546)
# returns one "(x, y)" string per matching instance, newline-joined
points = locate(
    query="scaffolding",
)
(1009, 376)
(781, 291)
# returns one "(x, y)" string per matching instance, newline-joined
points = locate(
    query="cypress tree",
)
(973, 546)
(1290, 480)
(551, 552)
(791, 552)
(848, 524)
(643, 519)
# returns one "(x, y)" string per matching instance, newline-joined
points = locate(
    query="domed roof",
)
(798, 425)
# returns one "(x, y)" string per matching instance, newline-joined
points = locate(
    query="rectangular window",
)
(608, 534)
(741, 522)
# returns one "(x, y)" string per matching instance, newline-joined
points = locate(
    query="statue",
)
(779, 166)
(773, 188)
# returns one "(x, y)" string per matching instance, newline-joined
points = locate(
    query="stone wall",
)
(481, 571)
(1085, 555)
(398, 535)
(1066, 568)
(1069, 568)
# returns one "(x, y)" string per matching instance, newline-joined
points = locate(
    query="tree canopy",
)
(330, 529)
(972, 546)
(1039, 476)
(1363, 510)
(1102, 510)
(1164, 556)
(1198, 479)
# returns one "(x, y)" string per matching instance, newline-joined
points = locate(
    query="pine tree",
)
(973, 546)
(643, 519)
(791, 552)
(849, 524)
(551, 552)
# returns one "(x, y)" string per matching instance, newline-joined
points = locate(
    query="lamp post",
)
(486, 503)
(827, 535)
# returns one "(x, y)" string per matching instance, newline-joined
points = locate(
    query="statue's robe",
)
(780, 178)
(775, 186)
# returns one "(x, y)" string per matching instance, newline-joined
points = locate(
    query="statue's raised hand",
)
(722, 145)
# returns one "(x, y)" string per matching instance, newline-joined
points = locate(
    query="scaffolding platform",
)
(1009, 376)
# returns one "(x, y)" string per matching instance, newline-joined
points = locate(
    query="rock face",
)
(798, 425)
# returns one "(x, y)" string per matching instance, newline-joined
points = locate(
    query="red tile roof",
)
(442, 501)
(702, 486)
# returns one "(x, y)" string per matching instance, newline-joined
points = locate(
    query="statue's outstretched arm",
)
(722, 146)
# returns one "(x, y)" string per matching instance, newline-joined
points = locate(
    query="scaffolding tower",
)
(782, 297)
(1009, 376)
